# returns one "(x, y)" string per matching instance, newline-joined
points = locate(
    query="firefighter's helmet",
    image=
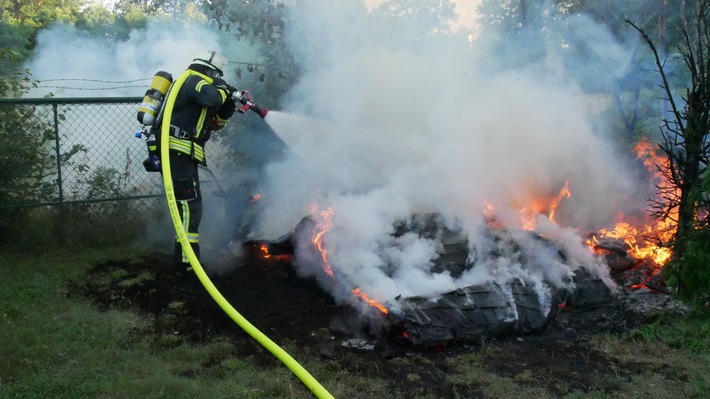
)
(212, 60)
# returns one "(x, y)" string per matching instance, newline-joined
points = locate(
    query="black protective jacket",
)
(196, 104)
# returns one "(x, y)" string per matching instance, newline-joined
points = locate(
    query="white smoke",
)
(384, 124)
(436, 124)
(71, 63)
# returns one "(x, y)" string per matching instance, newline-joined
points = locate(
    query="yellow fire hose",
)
(267, 343)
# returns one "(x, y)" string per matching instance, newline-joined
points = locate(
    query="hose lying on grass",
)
(318, 390)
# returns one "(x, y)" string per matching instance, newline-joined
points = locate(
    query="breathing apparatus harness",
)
(180, 140)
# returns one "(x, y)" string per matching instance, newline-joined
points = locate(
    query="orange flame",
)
(634, 234)
(358, 293)
(634, 238)
(664, 229)
(564, 193)
(322, 226)
(264, 251)
(533, 206)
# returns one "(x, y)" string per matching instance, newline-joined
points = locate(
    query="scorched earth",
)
(287, 308)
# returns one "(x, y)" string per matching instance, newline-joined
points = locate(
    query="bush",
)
(690, 273)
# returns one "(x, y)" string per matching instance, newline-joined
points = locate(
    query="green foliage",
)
(682, 332)
(16, 42)
(112, 25)
(20, 20)
(29, 178)
(130, 18)
(685, 136)
(690, 273)
(106, 182)
(39, 14)
(25, 162)
(424, 16)
(259, 26)
(96, 19)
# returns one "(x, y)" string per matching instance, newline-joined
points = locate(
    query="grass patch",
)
(692, 332)
(55, 345)
(58, 345)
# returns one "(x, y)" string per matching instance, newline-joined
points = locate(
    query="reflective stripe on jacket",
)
(188, 147)
(196, 102)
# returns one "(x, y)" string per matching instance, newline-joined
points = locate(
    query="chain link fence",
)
(71, 172)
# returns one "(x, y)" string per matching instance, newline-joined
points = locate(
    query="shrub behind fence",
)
(71, 172)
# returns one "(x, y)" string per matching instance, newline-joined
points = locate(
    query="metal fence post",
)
(60, 189)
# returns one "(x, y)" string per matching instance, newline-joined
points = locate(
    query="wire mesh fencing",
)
(71, 172)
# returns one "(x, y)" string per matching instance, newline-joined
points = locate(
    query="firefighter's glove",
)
(217, 122)
(222, 84)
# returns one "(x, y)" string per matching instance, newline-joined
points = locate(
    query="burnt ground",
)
(269, 294)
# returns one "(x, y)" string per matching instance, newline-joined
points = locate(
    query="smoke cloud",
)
(383, 126)
(386, 123)
(71, 63)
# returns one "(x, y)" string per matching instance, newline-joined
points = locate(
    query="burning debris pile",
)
(496, 307)
(521, 303)
(431, 278)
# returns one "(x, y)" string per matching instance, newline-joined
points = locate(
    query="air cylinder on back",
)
(154, 97)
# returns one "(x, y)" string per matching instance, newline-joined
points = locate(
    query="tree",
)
(20, 20)
(97, 19)
(549, 25)
(686, 144)
(257, 24)
(39, 14)
(418, 17)
(515, 15)
(16, 40)
(26, 163)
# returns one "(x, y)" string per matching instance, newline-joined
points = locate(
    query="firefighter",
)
(203, 105)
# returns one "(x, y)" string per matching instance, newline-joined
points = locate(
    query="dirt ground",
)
(269, 294)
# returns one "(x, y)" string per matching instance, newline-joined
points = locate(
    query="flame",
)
(324, 224)
(264, 251)
(358, 293)
(634, 233)
(564, 193)
(490, 217)
(663, 229)
(640, 248)
(255, 198)
(532, 206)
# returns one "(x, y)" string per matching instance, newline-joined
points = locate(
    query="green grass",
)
(57, 345)
(692, 333)
(669, 371)
(53, 346)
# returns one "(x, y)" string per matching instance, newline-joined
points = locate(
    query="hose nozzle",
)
(262, 111)
(248, 104)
